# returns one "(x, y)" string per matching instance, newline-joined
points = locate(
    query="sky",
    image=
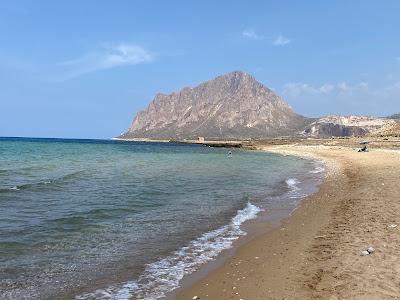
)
(82, 69)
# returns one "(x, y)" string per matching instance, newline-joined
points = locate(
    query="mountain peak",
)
(236, 76)
(233, 105)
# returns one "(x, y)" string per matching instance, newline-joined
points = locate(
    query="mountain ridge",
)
(237, 106)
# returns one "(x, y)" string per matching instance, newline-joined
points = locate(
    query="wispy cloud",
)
(344, 97)
(351, 90)
(280, 40)
(251, 34)
(107, 57)
(342, 88)
(300, 88)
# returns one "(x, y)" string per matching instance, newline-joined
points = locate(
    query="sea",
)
(104, 219)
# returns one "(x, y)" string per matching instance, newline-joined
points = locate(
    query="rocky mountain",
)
(232, 106)
(394, 117)
(348, 126)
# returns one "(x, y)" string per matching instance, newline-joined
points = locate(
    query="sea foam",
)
(164, 275)
(294, 189)
(317, 170)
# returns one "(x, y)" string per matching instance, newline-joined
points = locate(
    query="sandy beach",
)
(315, 253)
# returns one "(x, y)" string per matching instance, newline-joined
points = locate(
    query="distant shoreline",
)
(216, 143)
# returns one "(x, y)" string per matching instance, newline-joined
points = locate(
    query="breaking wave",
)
(164, 275)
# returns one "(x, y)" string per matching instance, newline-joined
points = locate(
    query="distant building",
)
(200, 139)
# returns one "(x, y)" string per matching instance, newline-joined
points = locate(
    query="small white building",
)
(200, 139)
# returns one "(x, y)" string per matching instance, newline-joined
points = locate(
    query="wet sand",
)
(315, 253)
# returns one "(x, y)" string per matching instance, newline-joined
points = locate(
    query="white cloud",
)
(351, 90)
(281, 41)
(344, 97)
(297, 89)
(342, 86)
(363, 86)
(109, 56)
(326, 88)
(300, 88)
(251, 34)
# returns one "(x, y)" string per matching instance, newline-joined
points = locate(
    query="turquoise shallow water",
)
(92, 219)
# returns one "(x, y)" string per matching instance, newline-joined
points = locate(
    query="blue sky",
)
(84, 68)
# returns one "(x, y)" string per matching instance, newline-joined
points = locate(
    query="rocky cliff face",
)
(348, 126)
(231, 106)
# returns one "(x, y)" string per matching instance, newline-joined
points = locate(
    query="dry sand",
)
(315, 254)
